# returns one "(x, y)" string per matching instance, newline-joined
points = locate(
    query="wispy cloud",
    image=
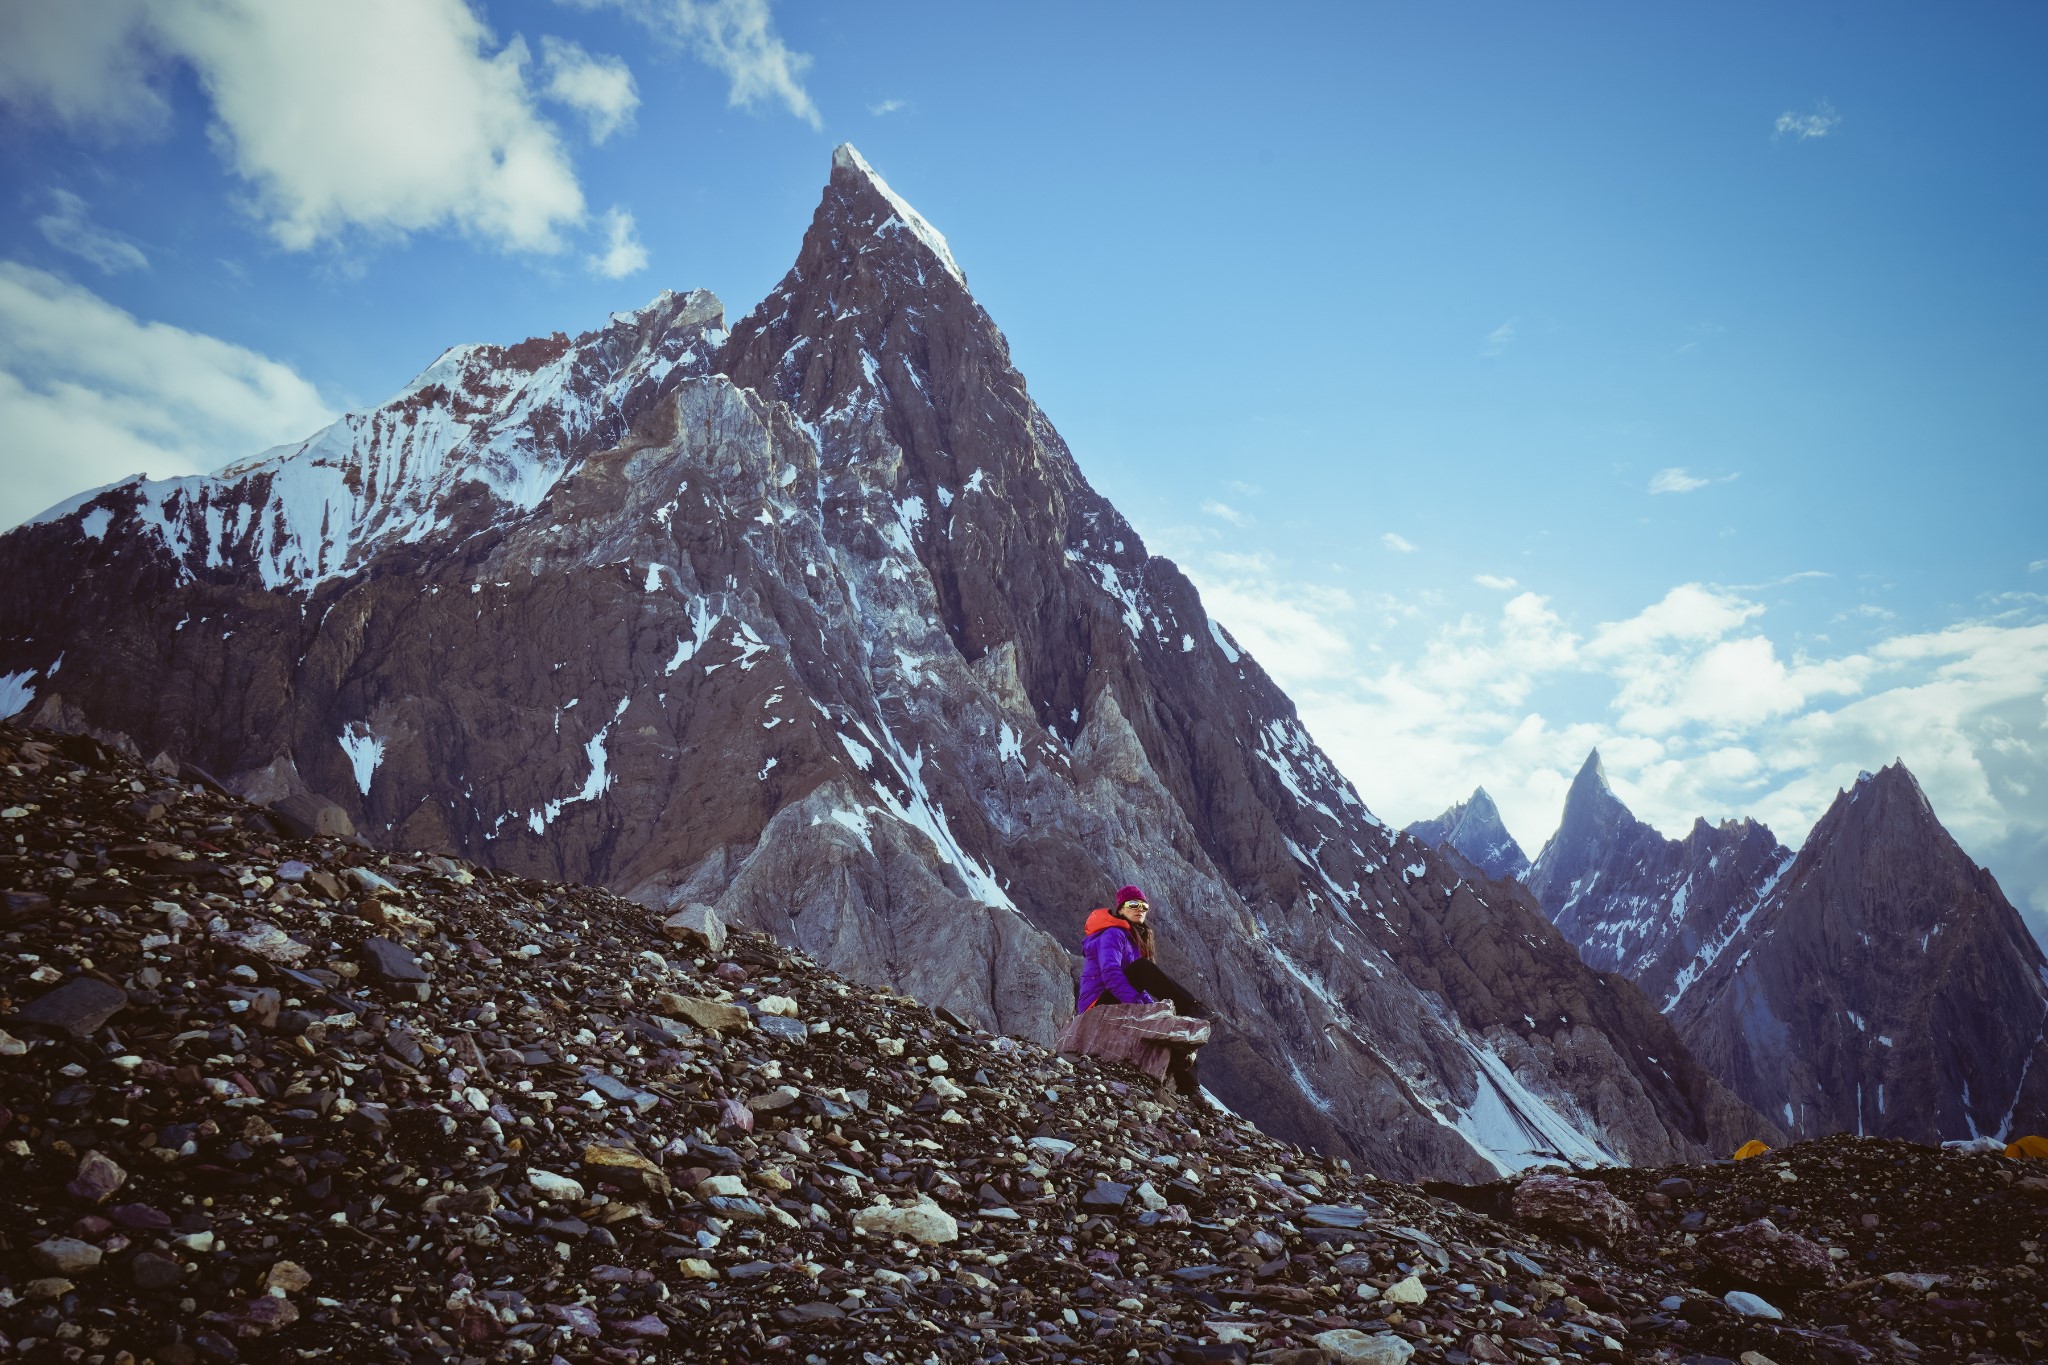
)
(623, 254)
(1304, 624)
(1223, 511)
(736, 37)
(1398, 543)
(1864, 611)
(1820, 123)
(1677, 480)
(1495, 581)
(1800, 576)
(1701, 333)
(600, 87)
(70, 228)
(882, 107)
(2037, 566)
(1500, 338)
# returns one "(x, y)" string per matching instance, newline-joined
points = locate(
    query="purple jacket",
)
(1108, 949)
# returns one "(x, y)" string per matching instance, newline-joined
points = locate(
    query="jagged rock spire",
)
(1474, 828)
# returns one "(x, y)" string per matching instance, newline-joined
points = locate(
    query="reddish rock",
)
(1585, 1207)
(1761, 1253)
(97, 1179)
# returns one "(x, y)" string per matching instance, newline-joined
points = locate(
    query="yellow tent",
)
(1749, 1149)
(2035, 1147)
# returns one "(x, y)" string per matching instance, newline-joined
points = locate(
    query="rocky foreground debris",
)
(265, 1097)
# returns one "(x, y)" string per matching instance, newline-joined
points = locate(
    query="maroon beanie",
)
(1127, 895)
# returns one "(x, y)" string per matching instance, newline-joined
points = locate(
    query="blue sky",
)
(1512, 379)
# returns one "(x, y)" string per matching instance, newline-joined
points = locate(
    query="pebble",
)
(556, 1188)
(1406, 1292)
(1749, 1305)
(80, 1006)
(65, 1256)
(152, 1272)
(97, 1179)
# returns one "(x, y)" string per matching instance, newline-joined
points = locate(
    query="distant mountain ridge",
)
(1659, 911)
(1474, 828)
(817, 621)
(1876, 982)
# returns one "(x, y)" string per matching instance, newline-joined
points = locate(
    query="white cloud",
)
(623, 254)
(1398, 543)
(1494, 581)
(1299, 627)
(1696, 711)
(1822, 121)
(738, 38)
(886, 107)
(70, 228)
(388, 116)
(2037, 566)
(600, 88)
(1676, 480)
(1223, 511)
(1499, 339)
(86, 66)
(89, 394)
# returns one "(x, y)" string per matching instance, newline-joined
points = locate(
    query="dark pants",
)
(1148, 976)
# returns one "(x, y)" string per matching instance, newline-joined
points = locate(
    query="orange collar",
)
(1104, 919)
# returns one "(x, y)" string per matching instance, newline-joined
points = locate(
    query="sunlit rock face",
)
(818, 622)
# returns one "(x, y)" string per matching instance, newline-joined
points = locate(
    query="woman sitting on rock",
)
(1128, 1009)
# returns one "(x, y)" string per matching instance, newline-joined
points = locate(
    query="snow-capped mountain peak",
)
(846, 159)
(510, 420)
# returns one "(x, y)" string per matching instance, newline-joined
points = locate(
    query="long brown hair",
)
(1142, 934)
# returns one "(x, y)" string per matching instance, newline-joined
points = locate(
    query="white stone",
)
(1407, 1292)
(1749, 1305)
(721, 1187)
(1348, 1346)
(926, 1223)
(548, 1185)
(1149, 1197)
(779, 1004)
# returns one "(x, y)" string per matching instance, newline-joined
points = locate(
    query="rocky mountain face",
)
(817, 622)
(272, 1098)
(1659, 911)
(1885, 987)
(1474, 828)
(1877, 982)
